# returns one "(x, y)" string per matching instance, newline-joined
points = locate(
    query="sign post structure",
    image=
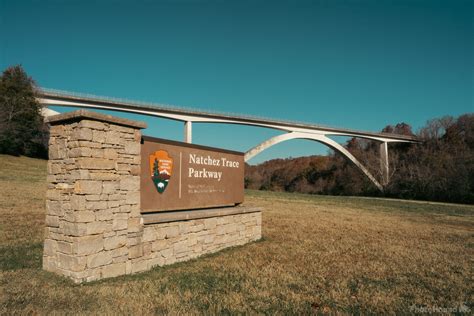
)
(120, 203)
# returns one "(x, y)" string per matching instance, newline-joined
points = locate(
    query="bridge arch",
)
(315, 137)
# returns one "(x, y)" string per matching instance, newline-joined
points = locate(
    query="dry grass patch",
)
(319, 254)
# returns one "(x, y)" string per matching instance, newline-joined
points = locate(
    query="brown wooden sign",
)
(182, 176)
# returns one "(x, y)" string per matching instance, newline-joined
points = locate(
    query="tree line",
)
(440, 168)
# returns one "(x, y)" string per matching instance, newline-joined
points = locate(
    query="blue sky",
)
(354, 63)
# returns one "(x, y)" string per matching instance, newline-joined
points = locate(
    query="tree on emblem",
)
(156, 173)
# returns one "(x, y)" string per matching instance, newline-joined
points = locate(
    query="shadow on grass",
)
(25, 256)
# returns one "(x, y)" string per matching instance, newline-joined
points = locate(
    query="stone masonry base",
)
(159, 244)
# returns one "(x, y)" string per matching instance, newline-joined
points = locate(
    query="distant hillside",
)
(311, 174)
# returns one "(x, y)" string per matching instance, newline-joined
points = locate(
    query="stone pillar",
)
(93, 227)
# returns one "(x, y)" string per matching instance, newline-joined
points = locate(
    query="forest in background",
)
(440, 168)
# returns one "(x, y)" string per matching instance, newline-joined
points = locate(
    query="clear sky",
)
(346, 63)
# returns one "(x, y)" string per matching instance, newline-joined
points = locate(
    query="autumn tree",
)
(440, 167)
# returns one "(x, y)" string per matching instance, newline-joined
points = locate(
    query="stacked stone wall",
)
(168, 243)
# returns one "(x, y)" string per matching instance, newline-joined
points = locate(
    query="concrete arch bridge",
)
(291, 130)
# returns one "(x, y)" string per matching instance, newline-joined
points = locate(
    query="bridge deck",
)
(131, 106)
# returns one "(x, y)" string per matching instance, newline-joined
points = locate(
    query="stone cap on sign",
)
(174, 216)
(95, 116)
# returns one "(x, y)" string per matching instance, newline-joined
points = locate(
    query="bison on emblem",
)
(161, 166)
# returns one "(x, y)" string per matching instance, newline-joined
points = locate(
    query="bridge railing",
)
(221, 114)
(164, 106)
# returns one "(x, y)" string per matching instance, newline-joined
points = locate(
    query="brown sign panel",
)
(182, 176)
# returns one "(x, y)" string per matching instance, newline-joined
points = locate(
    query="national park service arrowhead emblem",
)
(161, 166)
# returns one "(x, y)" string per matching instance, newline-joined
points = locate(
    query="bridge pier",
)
(188, 132)
(384, 167)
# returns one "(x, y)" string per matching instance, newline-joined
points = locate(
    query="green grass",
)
(319, 254)
(27, 256)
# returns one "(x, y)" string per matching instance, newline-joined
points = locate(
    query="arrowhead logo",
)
(161, 166)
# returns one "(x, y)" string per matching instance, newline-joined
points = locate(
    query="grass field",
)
(319, 255)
